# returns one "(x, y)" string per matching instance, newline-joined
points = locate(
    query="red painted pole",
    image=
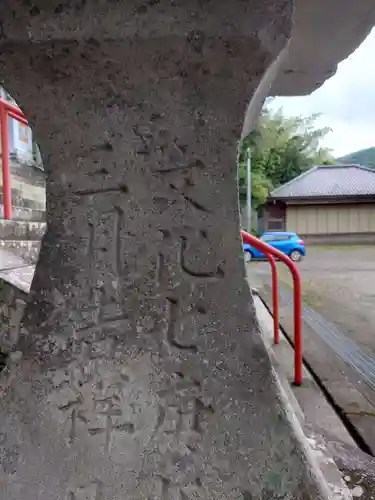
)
(5, 164)
(275, 298)
(297, 302)
(297, 294)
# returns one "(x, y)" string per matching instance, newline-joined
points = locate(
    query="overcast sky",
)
(346, 101)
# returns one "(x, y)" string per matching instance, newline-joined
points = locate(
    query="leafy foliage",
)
(281, 149)
(365, 157)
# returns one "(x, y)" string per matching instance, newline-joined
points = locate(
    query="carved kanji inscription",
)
(104, 304)
(182, 328)
(91, 491)
(189, 491)
(99, 402)
(104, 314)
(187, 257)
(96, 399)
(164, 147)
(183, 412)
(196, 274)
(104, 243)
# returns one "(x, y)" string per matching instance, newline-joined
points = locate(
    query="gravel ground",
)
(338, 282)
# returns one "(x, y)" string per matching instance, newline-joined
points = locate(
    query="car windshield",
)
(276, 237)
(267, 237)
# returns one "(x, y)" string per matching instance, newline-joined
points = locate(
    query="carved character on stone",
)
(184, 413)
(197, 257)
(91, 491)
(105, 402)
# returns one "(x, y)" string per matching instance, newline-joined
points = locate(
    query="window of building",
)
(275, 224)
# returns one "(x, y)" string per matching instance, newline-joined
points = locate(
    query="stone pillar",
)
(143, 373)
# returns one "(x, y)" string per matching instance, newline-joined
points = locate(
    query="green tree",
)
(281, 149)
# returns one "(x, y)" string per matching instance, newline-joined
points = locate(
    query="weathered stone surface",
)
(143, 374)
(318, 42)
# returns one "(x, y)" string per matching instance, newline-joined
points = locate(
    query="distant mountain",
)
(365, 157)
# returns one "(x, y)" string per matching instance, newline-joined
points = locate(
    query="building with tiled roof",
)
(325, 203)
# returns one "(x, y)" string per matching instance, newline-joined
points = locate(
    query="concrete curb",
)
(311, 460)
(343, 384)
(318, 458)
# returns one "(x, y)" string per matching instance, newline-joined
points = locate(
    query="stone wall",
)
(12, 305)
(28, 186)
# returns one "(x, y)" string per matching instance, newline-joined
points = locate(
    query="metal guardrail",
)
(272, 254)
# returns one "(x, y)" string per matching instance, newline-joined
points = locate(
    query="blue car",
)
(288, 243)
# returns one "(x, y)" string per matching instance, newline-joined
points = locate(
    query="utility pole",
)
(248, 201)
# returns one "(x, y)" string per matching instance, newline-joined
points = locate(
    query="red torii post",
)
(7, 110)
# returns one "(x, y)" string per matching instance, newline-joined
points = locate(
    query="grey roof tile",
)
(329, 181)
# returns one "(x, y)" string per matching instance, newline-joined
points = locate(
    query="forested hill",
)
(365, 157)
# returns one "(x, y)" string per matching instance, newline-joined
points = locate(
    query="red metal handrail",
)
(272, 253)
(275, 298)
(7, 110)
